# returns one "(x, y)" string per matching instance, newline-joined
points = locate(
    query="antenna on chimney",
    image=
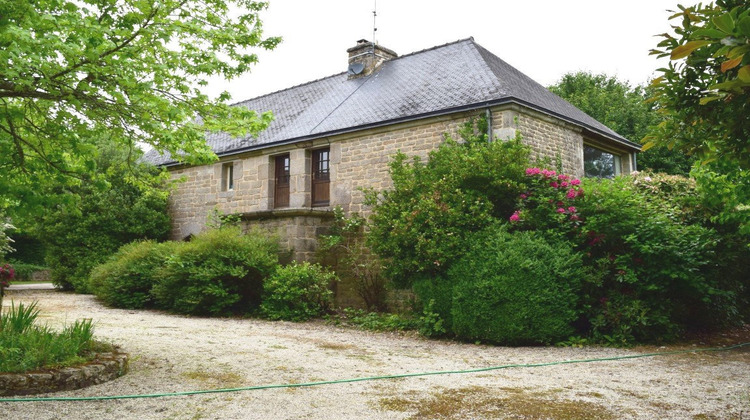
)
(374, 17)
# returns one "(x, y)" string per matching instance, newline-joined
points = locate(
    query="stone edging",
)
(105, 367)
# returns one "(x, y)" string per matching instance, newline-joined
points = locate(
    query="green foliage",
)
(374, 321)
(344, 250)
(77, 238)
(516, 288)
(703, 94)
(217, 272)
(625, 110)
(652, 269)
(126, 278)
(26, 347)
(129, 71)
(298, 292)
(421, 225)
(25, 271)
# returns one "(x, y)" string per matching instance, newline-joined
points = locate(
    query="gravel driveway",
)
(174, 353)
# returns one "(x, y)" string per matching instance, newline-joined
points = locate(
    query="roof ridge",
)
(471, 39)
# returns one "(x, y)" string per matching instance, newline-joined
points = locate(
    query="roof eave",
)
(470, 107)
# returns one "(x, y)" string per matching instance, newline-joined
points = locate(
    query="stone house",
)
(334, 135)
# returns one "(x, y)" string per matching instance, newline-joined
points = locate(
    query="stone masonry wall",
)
(357, 160)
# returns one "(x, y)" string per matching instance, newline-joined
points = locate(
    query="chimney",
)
(366, 57)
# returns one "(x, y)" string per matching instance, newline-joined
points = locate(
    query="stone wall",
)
(357, 160)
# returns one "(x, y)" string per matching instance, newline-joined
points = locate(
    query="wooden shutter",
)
(281, 182)
(321, 177)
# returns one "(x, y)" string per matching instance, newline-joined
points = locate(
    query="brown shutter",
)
(321, 177)
(281, 182)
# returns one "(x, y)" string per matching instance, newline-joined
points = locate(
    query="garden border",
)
(104, 367)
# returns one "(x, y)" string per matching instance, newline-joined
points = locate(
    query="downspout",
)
(635, 162)
(488, 117)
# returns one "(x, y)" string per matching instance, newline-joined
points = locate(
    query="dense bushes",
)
(516, 289)
(219, 271)
(126, 278)
(298, 292)
(101, 217)
(655, 255)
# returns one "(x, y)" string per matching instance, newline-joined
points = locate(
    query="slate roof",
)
(458, 76)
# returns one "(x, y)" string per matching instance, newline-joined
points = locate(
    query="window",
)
(600, 164)
(321, 177)
(281, 182)
(227, 177)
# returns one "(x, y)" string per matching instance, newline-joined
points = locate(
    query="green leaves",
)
(704, 96)
(130, 71)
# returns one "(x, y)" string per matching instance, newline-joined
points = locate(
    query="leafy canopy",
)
(127, 71)
(704, 92)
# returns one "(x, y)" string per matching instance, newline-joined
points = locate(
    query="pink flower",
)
(533, 171)
(572, 193)
(554, 184)
(575, 182)
(561, 210)
(524, 196)
(564, 184)
(515, 217)
(571, 209)
(563, 177)
(548, 174)
(574, 218)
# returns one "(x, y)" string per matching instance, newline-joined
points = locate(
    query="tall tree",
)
(624, 109)
(126, 71)
(704, 92)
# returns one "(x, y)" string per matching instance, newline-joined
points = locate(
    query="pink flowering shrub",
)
(549, 202)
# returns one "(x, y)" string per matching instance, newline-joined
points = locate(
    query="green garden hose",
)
(371, 378)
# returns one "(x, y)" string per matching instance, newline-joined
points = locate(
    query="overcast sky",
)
(544, 39)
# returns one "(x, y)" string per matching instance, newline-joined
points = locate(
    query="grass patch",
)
(25, 346)
(486, 403)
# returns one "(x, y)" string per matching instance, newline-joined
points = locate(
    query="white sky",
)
(544, 39)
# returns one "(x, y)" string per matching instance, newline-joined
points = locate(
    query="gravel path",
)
(173, 353)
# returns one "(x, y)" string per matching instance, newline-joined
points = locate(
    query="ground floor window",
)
(598, 163)
(281, 181)
(321, 177)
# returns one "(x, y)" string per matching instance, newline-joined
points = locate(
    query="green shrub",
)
(420, 226)
(219, 271)
(652, 270)
(25, 271)
(516, 289)
(298, 292)
(126, 278)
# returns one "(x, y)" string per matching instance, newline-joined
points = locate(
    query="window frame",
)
(283, 187)
(227, 177)
(616, 162)
(320, 188)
